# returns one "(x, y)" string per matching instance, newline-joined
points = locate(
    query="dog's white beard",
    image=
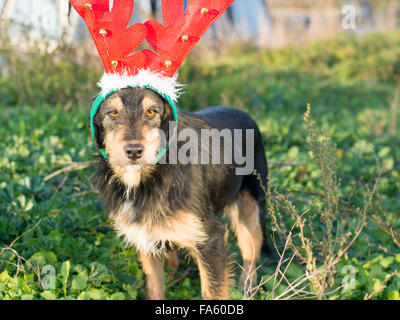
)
(131, 177)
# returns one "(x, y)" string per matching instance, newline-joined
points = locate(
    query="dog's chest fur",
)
(183, 229)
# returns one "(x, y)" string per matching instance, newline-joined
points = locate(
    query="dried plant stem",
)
(74, 166)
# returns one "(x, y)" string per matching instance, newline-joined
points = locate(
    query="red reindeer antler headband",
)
(171, 42)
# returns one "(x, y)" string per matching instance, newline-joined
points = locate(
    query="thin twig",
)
(383, 285)
(181, 277)
(74, 166)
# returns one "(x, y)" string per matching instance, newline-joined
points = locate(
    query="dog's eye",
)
(113, 114)
(150, 113)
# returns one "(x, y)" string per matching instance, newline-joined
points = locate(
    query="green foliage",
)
(58, 222)
(46, 72)
(347, 58)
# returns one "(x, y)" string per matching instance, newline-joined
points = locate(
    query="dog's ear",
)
(167, 111)
(98, 132)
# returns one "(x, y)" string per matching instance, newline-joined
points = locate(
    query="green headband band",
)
(100, 99)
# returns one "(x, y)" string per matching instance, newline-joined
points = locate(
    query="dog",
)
(162, 208)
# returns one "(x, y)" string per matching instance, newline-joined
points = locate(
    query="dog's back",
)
(233, 119)
(230, 118)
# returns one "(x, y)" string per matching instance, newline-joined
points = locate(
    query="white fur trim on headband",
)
(165, 85)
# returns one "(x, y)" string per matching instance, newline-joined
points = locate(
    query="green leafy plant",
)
(323, 176)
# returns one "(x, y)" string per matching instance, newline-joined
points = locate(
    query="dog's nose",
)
(134, 151)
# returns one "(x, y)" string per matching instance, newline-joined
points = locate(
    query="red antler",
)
(171, 42)
(114, 41)
(181, 31)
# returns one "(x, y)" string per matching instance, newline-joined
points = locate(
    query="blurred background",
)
(321, 78)
(267, 23)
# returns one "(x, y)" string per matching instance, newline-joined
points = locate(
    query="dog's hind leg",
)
(154, 270)
(245, 220)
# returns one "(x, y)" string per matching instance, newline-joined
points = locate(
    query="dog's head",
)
(127, 126)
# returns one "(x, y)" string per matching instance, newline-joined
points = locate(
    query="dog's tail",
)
(259, 185)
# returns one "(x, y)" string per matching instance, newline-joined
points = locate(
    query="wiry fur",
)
(182, 229)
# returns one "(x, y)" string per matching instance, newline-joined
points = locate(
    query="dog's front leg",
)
(154, 270)
(213, 262)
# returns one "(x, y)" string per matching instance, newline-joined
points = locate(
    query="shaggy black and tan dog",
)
(160, 207)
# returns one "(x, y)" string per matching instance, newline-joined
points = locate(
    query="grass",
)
(334, 177)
